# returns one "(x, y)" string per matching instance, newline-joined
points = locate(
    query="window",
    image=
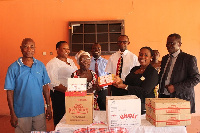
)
(83, 34)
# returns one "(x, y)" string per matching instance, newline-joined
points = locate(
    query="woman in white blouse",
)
(59, 69)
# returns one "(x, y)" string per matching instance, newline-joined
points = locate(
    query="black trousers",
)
(101, 100)
(58, 104)
(118, 91)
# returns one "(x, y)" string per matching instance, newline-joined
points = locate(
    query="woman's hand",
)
(118, 82)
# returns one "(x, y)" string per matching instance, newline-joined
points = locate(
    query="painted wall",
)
(147, 23)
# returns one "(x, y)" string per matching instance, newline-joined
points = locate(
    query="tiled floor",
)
(5, 126)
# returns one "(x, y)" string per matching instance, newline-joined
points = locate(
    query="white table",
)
(146, 127)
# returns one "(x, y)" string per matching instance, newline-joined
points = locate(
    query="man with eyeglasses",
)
(179, 72)
(25, 82)
(121, 67)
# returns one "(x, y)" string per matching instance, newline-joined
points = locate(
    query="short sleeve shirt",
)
(59, 71)
(27, 84)
(130, 60)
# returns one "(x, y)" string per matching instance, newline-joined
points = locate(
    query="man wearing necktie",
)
(179, 72)
(120, 64)
(98, 65)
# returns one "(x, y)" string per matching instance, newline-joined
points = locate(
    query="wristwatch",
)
(126, 87)
(47, 105)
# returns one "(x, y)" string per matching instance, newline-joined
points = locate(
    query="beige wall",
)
(147, 23)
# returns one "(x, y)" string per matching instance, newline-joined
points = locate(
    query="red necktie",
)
(119, 66)
(96, 68)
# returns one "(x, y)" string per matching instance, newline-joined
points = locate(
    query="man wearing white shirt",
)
(59, 69)
(129, 61)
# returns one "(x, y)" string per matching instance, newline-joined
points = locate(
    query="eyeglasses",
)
(124, 42)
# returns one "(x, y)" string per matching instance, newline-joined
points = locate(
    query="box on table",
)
(163, 120)
(79, 109)
(123, 111)
(168, 111)
(167, 106)
(76, 87)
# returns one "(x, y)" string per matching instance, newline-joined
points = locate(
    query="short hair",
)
(59, 43)
(96, 43)
(124, 36)
(151, 51)
(25, 40)
(177, 36)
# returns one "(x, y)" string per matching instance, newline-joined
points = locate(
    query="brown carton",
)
(167, 106)
(79, 109)
(148, 101)
(163, 120)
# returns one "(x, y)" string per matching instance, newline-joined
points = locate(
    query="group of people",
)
(27, 78)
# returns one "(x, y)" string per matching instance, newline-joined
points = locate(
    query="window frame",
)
(96, 23)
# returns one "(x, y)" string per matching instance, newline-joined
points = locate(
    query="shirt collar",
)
(97, 59)
(123, 53)
(176, 53)
(19, 61)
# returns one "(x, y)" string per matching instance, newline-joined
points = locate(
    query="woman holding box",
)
(83, 59)
(142, 79)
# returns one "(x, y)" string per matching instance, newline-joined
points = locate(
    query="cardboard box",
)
(79, 109)
(167, 106)
(168, 119)
(148, 105)
(123, 111)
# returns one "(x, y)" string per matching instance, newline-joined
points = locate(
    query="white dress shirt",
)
(130, 60)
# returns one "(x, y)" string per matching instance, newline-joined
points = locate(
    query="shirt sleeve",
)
(73, 65)
(46, 79)
(109, 66)
(136, 61)
(53, 74)
(10, 80)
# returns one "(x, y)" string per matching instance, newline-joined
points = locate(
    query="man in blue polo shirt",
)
(25, 82)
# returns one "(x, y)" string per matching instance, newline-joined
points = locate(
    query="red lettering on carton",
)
(128, 116)
(78, 109)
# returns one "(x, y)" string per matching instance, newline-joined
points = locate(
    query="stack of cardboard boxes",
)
(168, 112)
(78, 103)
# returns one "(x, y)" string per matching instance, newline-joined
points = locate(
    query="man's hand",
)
(170, 88)
(14, 121)
(48, 113)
